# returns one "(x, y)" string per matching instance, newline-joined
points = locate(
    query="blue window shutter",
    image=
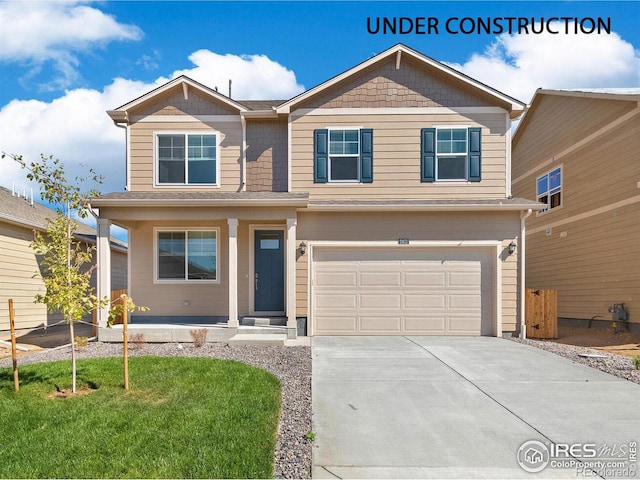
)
(320, 155)
(428, 155)
(475, 154)
(366, 155)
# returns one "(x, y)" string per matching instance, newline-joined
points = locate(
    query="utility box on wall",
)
(541, 313)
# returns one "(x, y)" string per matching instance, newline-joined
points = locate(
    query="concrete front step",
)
(273, 330)
(263, 321)
(277, 339)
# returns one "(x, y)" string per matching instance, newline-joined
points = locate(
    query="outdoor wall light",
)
(512, 248)
(303, 248)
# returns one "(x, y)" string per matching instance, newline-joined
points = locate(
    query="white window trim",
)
(464, 180)
(186, 133)
(329, 155)
(159, 281)
(538, 177)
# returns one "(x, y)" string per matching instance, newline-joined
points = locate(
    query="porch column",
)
(292, 324)
(233, 272)
(103, 272)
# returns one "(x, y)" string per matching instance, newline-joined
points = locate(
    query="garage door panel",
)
(380, 301)
(336, 279)
(380, 279)
(464, 278)
(377, 324)
(336, 325)
(465, 301)
(335, 300)
(421, 291)
(432, 325)
(424, 278)
(425, 301)
(467, 325)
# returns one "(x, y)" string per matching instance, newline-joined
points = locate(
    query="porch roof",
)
(201, 199)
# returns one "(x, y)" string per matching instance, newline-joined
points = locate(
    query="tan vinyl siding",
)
(412, 85)
(168, 299)
(594, 266)
(558, 123)
(592, 253)
(18, 265)
(389, 226)
(118, 269)
(142, 152)
(266, 156)
(302, 283)
(598, 174)
(173, 102)
(396, 156)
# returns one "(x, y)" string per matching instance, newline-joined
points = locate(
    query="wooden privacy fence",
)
(541, 313)
(115, 296)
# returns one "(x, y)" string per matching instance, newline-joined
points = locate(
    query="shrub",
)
(199, 337)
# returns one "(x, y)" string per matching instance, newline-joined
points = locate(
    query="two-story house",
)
(376, 203)
(569, 146)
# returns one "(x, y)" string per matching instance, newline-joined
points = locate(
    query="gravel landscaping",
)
(618, 365)
(292, 365)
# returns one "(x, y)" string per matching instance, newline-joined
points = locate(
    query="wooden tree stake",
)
(125, 315)
(14, 353)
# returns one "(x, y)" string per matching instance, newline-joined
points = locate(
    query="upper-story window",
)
(343, 155)
(549, 189)
(186, 159)
(450, 154)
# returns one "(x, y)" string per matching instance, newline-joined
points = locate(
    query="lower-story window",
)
(187, 255)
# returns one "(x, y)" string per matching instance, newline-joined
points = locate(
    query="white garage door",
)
(403, 291)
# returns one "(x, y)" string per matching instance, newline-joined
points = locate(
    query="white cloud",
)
(76, 128)
(519, 64)
(253, 76)
(38, 32)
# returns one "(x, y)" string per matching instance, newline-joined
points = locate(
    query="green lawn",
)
(182, 418)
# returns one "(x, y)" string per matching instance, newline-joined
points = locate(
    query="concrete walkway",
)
(435, 407)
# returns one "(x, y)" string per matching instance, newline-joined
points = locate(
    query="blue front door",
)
(269, 271)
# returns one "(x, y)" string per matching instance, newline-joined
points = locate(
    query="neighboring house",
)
(378, 202)
(576, 152)
(20, 267)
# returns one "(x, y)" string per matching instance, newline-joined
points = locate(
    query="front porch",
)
(239, 264)
(154, 332)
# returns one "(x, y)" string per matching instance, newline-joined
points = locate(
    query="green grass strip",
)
(181, 418)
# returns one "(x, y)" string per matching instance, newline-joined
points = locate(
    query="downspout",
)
(521, 283)
(243, 121)
(126, 155)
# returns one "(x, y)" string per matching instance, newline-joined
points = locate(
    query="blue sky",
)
(62, 64)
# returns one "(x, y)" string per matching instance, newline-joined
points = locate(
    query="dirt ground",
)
(42, 339)
(621, 343)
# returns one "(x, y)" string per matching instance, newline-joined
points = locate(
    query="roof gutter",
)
(433, 208)
(199, 202)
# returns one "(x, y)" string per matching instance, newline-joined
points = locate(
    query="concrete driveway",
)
(436, 407)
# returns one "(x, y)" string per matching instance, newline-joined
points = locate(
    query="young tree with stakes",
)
(66, 261)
